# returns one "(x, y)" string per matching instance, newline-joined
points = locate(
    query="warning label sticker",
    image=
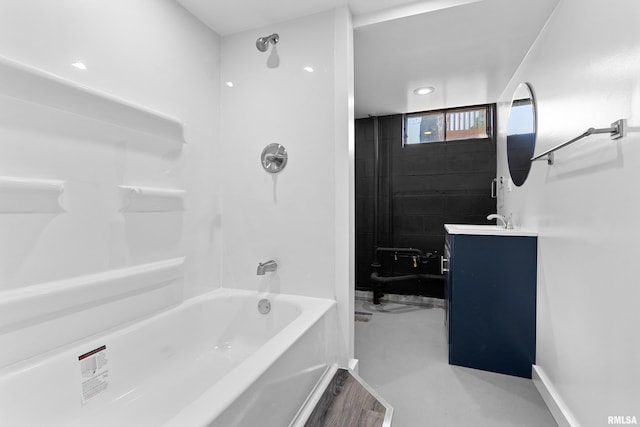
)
(94, 372)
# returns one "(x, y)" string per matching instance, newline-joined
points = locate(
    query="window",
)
(448, 125)
(424, 127)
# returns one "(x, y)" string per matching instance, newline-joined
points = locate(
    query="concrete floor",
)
(403, 355)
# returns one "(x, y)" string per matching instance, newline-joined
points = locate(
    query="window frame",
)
(490, 124)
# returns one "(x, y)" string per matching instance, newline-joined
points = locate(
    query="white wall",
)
(299, 217)
(148, 52)
(585, 71)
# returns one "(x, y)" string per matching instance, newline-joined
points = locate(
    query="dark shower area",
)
(420, 188)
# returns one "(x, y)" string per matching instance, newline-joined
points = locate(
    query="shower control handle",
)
(274, 158)
(442, 267)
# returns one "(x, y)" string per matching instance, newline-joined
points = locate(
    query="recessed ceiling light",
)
(79, 65)
(424, 90)
(230, 84)
(308, 69)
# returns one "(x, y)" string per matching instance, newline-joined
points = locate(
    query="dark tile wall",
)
(422, 187)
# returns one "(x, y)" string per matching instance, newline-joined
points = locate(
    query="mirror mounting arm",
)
(616, 131)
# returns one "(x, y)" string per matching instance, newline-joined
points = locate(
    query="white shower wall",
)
(150, 53)
(287, 216)
(300, 217)
(585, 71)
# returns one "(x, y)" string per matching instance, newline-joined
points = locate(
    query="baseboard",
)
(354, 365)
(403, 299)
(552, 399)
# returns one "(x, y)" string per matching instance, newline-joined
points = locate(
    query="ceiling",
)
(468, 53)
(466, 49)
(233, 16)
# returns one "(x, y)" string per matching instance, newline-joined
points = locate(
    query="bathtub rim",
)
(226, 390)
(32, 362)
(241, 377)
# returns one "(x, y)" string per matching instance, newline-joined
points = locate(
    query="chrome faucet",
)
(506, 222)
(263, 267)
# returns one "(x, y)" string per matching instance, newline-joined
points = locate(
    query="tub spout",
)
(263, 267)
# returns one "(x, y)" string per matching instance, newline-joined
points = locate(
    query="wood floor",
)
(346, 403)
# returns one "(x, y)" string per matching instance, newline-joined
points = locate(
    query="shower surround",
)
(301, 216)
(136, 217)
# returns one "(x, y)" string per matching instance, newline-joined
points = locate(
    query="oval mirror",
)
(521, 133)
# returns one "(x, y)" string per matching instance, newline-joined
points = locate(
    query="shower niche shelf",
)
(74, 294)
(151, 199)
(45, 311)
(22, 85)
(27, 195)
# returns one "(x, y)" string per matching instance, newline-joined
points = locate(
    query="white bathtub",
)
(214, 360)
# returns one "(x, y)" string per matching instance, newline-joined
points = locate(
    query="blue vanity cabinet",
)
(491, 301)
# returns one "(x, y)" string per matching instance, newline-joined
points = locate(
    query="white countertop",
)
(488, 230)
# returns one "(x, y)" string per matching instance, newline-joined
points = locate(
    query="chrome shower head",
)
(263, 42)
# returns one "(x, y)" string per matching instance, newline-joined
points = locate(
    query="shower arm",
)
(263, 42)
